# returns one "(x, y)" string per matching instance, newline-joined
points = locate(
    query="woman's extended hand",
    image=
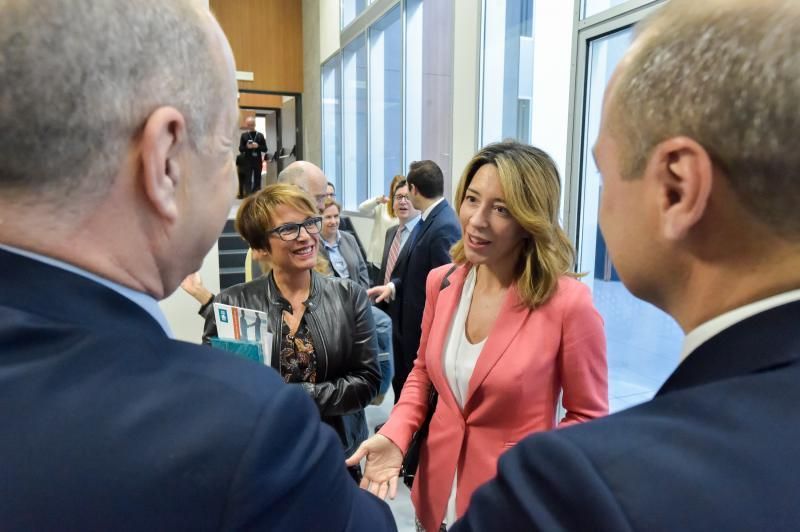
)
(384, 460)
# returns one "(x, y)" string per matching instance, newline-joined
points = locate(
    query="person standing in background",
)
(252, 149)
(428, 246)
(381, 210)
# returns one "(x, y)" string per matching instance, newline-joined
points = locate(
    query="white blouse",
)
(460, 357)
(380, 223)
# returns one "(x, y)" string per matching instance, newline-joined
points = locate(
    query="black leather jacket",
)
(343, 333)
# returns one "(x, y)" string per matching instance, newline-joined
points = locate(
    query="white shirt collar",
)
(146, 301)
(714, 326)
(427, 211)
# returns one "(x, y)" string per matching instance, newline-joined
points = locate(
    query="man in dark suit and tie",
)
(396, 236)
(108, 423)
(428, 246)
(698, 151)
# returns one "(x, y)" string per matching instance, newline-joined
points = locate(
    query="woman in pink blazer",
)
(503, 336)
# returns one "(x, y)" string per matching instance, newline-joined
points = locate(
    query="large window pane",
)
(386, 109)
(331, 121)
(354, 123)
(507, 70)
(429, 72)
(641, 357)
(352, 9)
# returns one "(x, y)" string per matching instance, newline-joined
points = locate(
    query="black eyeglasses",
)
(401, 197)
(292, 231)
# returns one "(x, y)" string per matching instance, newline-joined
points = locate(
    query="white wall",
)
(328, 28)
(288, 128)
(466, 64)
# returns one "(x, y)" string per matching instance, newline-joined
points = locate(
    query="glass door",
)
(643, 342)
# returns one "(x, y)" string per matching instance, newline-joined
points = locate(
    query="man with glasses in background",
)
(428, 246)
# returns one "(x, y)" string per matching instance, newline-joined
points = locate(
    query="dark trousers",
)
(249, 180)
(402, 368)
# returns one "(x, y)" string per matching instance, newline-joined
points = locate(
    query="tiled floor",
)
(643, 349)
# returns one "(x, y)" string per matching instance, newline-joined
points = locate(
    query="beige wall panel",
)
(267, 39)
(271, 101)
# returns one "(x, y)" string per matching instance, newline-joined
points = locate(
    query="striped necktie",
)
(394, 251)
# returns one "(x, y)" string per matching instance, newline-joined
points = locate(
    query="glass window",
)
(640, 358)
(331, 120)
(593, 7)
(351, 9)
(386, 107)
(507, 71)
(429, 72)
(354, 123)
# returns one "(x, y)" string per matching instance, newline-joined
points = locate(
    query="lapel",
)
(350, 253)
(387, 244)
(509, 321)
(423, 225)
(446, 304)
(758, 343)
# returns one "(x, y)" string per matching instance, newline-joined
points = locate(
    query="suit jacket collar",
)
(423, 225)
(758, 343)
(63, 296)
(512, 316)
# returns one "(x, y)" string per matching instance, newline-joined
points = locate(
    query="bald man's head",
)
(309, 177)
(725, 73)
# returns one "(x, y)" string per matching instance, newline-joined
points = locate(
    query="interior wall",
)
(312, 91)
(466, 67)
(269, 101)
(267, 40)
(288, 124)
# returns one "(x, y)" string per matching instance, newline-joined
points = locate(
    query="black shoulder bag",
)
(411, 460)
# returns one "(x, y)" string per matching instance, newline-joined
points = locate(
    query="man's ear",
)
(163, 138)
(684, 176)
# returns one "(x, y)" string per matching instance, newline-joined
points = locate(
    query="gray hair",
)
(725, 73)
(81, 77)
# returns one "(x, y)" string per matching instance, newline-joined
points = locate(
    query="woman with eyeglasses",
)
(324, 335)
(381, 208)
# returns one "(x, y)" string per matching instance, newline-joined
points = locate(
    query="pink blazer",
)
(527, 360)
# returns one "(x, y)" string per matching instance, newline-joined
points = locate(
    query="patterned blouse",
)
(298, 358)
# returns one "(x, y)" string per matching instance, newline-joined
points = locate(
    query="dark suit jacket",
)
(110, 425)
(387, 245)
(356, 266)
(430, 249)
(716, 449)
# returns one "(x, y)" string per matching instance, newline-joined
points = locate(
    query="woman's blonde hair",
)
(532, 188)
(396, 180)
(254, 219)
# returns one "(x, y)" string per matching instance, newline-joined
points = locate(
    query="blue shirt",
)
(410, 225)
(337, 260)
(146, 301)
